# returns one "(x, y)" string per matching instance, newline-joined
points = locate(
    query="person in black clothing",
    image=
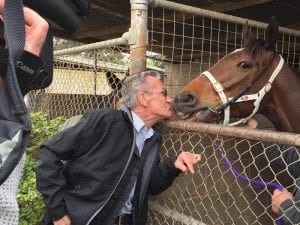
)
(101, 171)
(29, 67)
(35, 35)
(285, 203)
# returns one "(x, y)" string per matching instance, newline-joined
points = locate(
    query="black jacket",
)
(290, 209)
(289, 158)
(97, 152)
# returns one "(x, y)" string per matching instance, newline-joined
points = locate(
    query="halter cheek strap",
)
(257, 97)
(218, 87)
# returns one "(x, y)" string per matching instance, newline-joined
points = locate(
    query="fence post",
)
(138, 40)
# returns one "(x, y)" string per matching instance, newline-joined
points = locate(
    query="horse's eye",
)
(244, 65)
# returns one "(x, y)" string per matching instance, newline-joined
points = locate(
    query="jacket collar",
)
(125, 109)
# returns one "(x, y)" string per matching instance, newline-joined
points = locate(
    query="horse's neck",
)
(284, 108)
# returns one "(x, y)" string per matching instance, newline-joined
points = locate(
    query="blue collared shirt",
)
(142, 134)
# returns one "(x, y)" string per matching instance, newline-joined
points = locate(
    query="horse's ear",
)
(272, 33)
(247, 35)
(113, 80)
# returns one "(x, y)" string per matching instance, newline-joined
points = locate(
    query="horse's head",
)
(222, 91)
(116, 84)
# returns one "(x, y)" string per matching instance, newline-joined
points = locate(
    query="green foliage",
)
(60, 43)
(30, 201)
(155, 61)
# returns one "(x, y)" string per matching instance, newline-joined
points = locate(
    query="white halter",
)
(257, 97)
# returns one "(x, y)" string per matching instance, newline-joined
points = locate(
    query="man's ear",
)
(143, 99)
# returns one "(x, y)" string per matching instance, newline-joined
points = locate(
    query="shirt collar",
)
(139, 125)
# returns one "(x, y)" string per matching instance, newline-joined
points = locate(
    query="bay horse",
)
(250, 80)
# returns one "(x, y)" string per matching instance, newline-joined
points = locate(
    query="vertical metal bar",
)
(138, 35)
(95, 71)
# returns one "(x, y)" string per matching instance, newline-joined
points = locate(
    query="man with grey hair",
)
(111, 160)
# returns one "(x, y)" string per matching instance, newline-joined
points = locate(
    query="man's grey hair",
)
(134, 84)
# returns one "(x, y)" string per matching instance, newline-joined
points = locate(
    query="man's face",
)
(159, 104)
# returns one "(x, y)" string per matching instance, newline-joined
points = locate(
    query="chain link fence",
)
(83, 81)
(234, 180)
(183, 42)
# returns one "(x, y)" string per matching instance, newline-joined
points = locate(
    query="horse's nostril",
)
(186, 99)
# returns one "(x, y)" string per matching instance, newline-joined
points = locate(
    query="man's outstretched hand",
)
(185, 162)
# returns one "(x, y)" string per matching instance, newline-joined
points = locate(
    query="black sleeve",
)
(3, 60)
(30, 72)
(290, 210)
(64, 146)
(286, 156)
(163, 176)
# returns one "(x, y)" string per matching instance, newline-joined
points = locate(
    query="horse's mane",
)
(255, 48)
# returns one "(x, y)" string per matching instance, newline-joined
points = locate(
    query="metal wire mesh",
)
(214, 194)
(189, 44)
(81, 83)
(183, 45)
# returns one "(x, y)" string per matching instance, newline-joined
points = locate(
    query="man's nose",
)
(169, 99)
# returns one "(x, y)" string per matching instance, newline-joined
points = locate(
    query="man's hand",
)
(1, 6)
(186, 160)
(65, 220)
(279, 197)
(36, 29)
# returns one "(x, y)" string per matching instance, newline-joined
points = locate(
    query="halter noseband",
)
(227, 101)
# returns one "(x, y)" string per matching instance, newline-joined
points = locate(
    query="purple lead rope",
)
(237, 174)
